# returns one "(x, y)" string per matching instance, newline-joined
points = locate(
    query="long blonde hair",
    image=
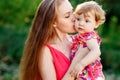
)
(40, 32)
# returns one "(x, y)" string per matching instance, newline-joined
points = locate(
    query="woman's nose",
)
(73, 18)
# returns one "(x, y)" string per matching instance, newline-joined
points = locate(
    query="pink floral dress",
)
(94, 70)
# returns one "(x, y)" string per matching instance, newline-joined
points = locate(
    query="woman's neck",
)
(60, 39)
(62, 44)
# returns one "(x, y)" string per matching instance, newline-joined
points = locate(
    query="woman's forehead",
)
(65, 7)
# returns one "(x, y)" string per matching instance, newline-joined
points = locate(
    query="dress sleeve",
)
(93, 35)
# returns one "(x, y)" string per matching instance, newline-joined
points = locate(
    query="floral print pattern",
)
(94, 70)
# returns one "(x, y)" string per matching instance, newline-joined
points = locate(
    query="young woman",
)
(47, 52)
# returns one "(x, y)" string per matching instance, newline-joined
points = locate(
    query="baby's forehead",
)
(85, 15)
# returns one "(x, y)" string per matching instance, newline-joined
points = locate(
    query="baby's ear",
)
(97, 24)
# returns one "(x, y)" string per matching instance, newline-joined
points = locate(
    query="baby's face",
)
(85, 22)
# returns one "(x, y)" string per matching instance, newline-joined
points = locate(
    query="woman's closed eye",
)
(67, 15)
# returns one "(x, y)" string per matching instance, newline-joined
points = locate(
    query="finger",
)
(78, 75)
(79, 79)
(72, 73)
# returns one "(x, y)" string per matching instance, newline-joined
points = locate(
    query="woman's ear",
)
(55, 24)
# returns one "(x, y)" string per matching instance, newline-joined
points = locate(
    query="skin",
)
(92, 51)
(63, 25)
(85, 23)
(53, 19)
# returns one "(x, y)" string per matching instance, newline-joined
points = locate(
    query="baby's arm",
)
(93, 53)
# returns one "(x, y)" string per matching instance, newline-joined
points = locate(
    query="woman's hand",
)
(77, 70)
(78, 79)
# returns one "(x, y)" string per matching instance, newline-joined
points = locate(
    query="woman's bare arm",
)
(80, 54)
(47, 65)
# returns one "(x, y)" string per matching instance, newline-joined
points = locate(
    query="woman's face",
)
(65, 18)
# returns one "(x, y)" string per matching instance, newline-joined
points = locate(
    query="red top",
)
(61, 62)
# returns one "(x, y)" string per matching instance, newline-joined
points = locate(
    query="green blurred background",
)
(16, 18)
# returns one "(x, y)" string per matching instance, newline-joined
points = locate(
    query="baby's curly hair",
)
(93, 7)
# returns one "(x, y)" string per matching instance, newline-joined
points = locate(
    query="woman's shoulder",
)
(46, 64)
(46, 52)
(46, 49)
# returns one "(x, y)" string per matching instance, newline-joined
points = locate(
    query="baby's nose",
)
(81, 23)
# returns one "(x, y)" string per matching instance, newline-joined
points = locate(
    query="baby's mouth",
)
(80, 28)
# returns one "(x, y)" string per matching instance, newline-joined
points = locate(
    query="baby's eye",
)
(78, 19)
(86, 20)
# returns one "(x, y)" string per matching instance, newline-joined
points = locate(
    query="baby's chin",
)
(80, 32)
